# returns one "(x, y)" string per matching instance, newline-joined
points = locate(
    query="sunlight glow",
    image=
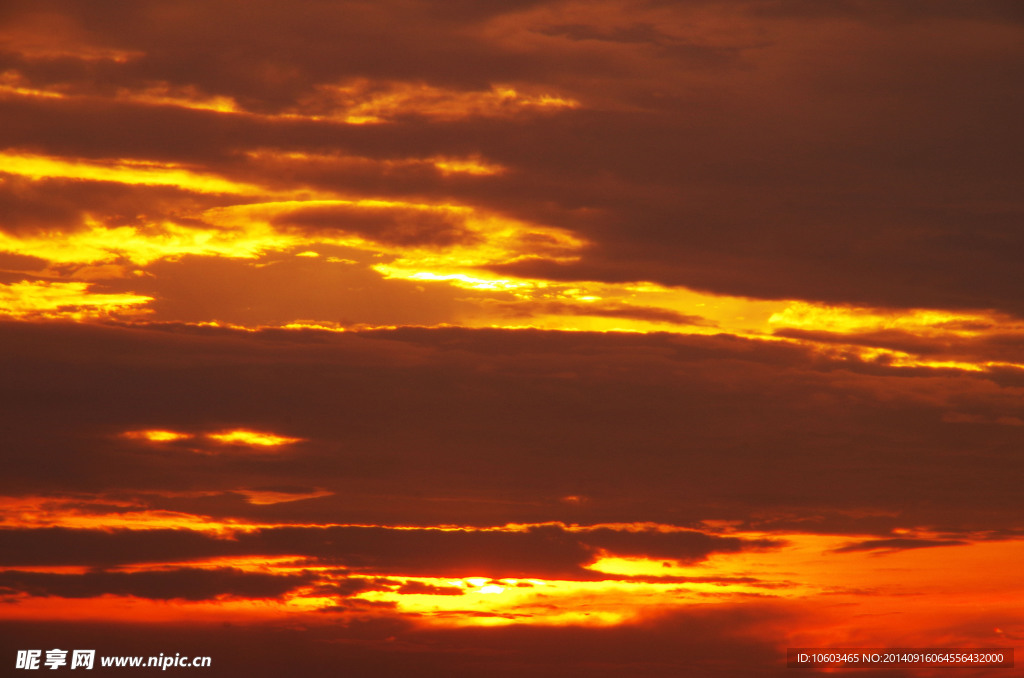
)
(251, 438)
(841, 319)
(12, 83)
(474, 165)
(99, 243)
(158, 435)
(183, 97)
(69, 300)
(804, 567)
(123, 171)
(471, 245)
(268, 497)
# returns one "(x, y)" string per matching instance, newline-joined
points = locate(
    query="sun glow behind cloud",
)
(13, 84)
(847, 320)
(246, 232)
(157, 435)
(244, 437)
(806, 568)
(65, 300)
(404, 252)
(126, 171)
(251, 438)
(98, 243)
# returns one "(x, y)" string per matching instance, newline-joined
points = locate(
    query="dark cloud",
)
(25, 206)
(898, 10)
(701, 641)
(431, 552)
(684, 546)
(938, 345)
(601, 310)
(418, 587)
(898, 544)
(274, 57)
(868, 162)
(548, 552)
(102, 548)
(646, 35)
(45, 206)
(353, 586)
(404, 227)
(629, 422)
(179, 584)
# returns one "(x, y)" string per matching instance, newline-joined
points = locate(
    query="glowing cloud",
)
(123, 171)
(68, 300)
(13, 83)
(474, 165)
(99, 243)
(850, 319)
(183, 97)
(363, 102)
(268, 497)
(158, 435)
(251, 438)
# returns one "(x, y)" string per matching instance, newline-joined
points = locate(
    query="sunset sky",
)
(546, 338)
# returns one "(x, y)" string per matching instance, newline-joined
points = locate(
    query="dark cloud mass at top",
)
(852, 152)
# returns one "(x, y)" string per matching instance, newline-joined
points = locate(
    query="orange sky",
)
(526, 338)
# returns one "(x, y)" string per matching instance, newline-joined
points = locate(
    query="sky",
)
(537, 337)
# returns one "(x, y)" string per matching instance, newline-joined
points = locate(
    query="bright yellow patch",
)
(253, 438)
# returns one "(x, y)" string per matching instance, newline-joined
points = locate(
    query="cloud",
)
(899, 11)
(698, 642)
(40, 299)
(683, 546)
(715, 183)
(405, 227)
(606, 173)
(604, 310)
(100, 548)
(180, 584)
(898, 544)
(740, 427)
(416, 587)
(278, 494)
(538, 551)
